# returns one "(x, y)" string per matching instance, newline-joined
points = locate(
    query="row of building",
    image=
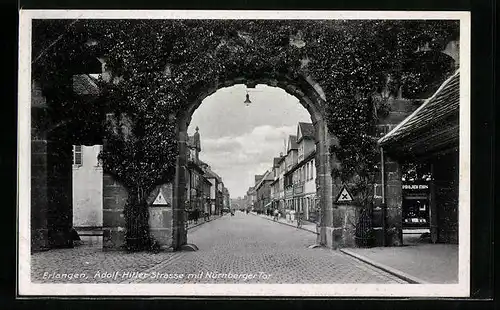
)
(290, 183)
(419, 184)
(205, 189)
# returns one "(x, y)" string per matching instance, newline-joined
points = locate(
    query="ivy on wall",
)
(158, 67)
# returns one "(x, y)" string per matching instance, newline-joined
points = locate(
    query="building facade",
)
(204, 186)
(226, 199)
(263, 192)
(88, 194)
(299, 175)
(195, 179)
(251, 198)
(291, 160)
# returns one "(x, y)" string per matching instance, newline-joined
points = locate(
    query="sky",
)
(239, 142)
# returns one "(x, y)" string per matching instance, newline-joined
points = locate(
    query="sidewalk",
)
(305, 224)
(202, 221)
(419, 263)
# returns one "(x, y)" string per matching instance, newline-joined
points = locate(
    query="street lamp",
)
(247, 100)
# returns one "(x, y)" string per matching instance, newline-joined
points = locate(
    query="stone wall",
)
(445, 172)
(393, 202)
(114, 199)
(51, 201)
(160, 216)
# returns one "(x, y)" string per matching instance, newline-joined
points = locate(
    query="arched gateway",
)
(322, 63)
(310, 96)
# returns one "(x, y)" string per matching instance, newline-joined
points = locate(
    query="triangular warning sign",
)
(344, 195)
(160, 200)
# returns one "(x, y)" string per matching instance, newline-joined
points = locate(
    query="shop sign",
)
(415, 186)
(299, 189)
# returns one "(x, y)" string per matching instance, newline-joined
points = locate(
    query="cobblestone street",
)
(233, 249)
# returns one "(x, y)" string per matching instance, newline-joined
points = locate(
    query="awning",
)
(431, 127)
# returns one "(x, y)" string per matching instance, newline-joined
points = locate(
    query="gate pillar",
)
(393, 203)
(113, 220)
(51, 180)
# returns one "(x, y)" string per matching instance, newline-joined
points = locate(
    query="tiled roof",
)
(442, 104)
(83, 84)
(258, 177)
(266, 177)
(269, 176)
(307, 130)
(292, 142)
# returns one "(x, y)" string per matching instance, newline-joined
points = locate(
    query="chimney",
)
(281, 154)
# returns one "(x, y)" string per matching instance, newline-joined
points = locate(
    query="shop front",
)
(415, 209)
(424, 152)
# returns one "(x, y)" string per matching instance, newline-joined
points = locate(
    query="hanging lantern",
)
(247, 100)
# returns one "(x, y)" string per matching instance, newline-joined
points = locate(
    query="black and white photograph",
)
(244, 153)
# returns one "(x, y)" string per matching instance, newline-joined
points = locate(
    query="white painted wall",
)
(310, 186)
(87, 189)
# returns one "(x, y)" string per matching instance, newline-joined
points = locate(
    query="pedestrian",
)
(276, 215)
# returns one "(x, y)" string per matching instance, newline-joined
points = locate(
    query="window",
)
(77, 155)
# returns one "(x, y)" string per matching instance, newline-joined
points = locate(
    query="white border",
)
(25, 287)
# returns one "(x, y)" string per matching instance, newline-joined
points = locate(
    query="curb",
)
(395, 272)
(294, 226)
(204, 222)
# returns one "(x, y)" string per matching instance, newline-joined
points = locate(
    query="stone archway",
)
(312, 98)
(238, 46)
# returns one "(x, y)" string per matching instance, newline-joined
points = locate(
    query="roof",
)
(307, 130)
(258, 177)
(276, 161)
(292, 143)
(84, 84)
(267, 177)
(437, 114)
(211, 174)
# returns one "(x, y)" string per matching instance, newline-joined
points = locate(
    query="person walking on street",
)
(299, 219)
